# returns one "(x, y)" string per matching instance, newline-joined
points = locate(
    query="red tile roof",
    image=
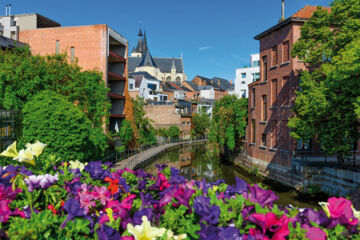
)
(308, 11)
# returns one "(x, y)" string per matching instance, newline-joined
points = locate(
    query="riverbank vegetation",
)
(228, 124)
(327, 102)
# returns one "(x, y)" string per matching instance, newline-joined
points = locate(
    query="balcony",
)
(115, 96)
(115, 58)
(115, 77)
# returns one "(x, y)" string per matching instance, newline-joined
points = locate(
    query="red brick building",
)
(272, 97)
(93, 47)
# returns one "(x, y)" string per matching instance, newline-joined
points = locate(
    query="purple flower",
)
(96, 171)
(229, 233)
(160, 167)
(308, 215)
(43, 181)
(208, 233)
(142, 174)
(262, 196)
(72, 206)
(147, 200)
(240, 187)
(8, 193)
(139, 214)
(107, 233)
(207, 213)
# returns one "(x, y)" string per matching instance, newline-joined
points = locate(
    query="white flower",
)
(26, 156)
(77, 164)
(10, 151)
(37, 148)
(145, 231)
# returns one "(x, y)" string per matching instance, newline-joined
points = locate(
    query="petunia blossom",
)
(145, 231)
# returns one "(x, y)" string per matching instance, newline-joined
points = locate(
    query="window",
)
(264, 110)
(274, 133)
(274, 56)
(274, 91)
(243, 82)
(256, 63)
(253, 131)
(263, 140)
(188, 123)
(131, 85)
(265, 68)
(256, 76)
(286, 51)
(303, 145)
(253, 97)
(183, 123)
(285, 90)
(243, 75)
(57, 47)
(72, 54)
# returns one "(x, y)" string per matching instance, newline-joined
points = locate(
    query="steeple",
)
(147, 60)
(140, 33)
(145, 47)
(173, 65)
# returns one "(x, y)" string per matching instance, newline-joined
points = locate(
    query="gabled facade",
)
(269, 144)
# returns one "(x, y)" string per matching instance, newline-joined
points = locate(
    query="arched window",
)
(168, 79)
(178, 79)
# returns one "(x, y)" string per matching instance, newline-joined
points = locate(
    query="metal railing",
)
(10, 127)
(119, 156)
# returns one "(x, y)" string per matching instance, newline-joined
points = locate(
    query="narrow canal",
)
(194, 164)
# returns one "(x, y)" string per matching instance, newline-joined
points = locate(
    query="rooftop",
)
(301, 16)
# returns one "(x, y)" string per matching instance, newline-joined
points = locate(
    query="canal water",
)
(194, 164)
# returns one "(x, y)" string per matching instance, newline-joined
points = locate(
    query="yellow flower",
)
(145, 231)
(356, 213)
(10, 151)
(26, 156)
(37, 148)
(77, 164)
(324, 206)
(110, 212)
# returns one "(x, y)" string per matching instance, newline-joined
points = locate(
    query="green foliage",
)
(228, 123)
(200, 124)
(146, 131)
(327, 104)
(51, 119)
(22, 76)
(126, 133)
(174, 132)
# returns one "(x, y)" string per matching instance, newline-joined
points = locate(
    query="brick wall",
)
(162, 115)
(277, 93)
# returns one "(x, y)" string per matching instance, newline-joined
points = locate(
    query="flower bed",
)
(93, 201)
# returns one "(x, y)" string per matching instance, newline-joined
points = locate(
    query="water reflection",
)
(194, 164)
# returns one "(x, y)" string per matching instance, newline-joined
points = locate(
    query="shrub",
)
(173, 132)
(50, 118)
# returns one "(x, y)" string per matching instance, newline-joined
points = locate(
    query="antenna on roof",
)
(282, 10)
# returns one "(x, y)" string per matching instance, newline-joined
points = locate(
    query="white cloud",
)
(204, 48)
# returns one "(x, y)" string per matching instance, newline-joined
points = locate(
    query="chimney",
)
(282, 10)
(6, 9)
(231, 82)
(9, 5)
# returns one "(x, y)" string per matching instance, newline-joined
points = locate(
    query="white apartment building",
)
(247, 75)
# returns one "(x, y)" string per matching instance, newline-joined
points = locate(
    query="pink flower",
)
(340, 209)
(8, 193)
(5, 211)
(101, 194)
(86, 198)
(315, 233)
(269, 223)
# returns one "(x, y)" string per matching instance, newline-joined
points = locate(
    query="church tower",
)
(141, 46)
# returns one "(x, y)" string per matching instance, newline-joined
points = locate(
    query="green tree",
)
(23, 75)
(200, 124)
(326, 104)
(173, 132)
(228, 124)
(143, 124)
(50, 118)
(126, 133)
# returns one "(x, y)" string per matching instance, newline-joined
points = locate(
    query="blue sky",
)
(215, 37)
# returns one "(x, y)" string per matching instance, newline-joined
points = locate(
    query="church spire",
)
(145, 46)
(173, 64)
